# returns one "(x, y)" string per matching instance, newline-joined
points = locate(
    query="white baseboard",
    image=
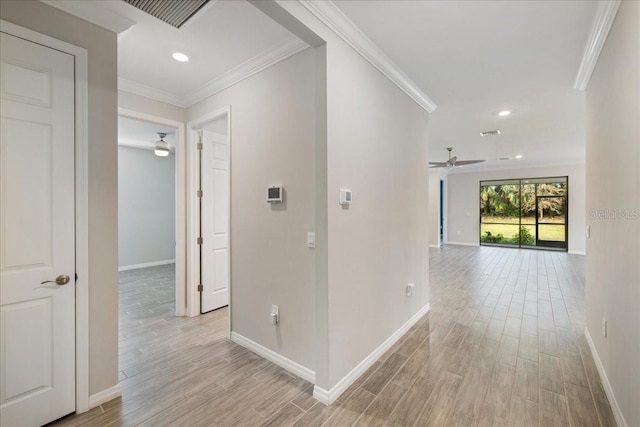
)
(605, 382)
(577, 252)
(329, 396)
(272, 356)
(104, 396)
(462, 244)
(146, 264)
(434, 246)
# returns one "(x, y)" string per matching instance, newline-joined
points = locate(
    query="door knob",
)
(62, 279)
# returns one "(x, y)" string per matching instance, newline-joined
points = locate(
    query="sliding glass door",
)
(525, 213)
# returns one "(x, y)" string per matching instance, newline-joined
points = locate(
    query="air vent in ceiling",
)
(490, 132)
(173, 12)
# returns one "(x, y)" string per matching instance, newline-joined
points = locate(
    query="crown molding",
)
(150, 92)
(329, 14)
(605, 15)
(245, 70)
(99, 16)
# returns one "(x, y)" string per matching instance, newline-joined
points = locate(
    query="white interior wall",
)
(377, 146)
(272, 143)
(146, 207)
(463, 201)
(613, 207)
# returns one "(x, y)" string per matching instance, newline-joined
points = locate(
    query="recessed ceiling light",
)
(504, 113)
(180, 57)
(490, 132)
(518, 156)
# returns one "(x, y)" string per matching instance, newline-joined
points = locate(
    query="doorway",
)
(210, 165)
(526, 213)
(151, 211)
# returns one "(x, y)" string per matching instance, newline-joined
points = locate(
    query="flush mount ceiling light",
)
(162, 148)
(518, 156)
(180, 57)
(504, 113)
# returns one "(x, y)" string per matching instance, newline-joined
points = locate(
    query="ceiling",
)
(472, 58)
(224, 36)
(475, 59)
(142, 134)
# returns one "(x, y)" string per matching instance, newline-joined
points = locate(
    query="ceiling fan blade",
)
(437, 164)
(468, 162)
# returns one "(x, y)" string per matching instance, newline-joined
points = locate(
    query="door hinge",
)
(200, 288)
(199, 193)
(199, 146)
(199, 240)
(76, 277)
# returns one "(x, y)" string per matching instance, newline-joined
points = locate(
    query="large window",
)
(530, 213)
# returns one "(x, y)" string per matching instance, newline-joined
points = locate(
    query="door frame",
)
(81, 199)
(182, 303)
(193, 213)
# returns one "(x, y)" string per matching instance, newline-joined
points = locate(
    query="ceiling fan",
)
(453, 161)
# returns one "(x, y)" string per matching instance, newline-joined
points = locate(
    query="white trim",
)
(82, 200)
(101, 17)
(245, 70)
(435, 246)
(105, 396)
(329, 396)
(288, 364)
(237, 74)
(605, 382)
(462, 244)
(577, 252)
(150, 92)
(605, 15)
(146, 264)
(463, 170)
(330, 15)
(182, 302)
(193, 213)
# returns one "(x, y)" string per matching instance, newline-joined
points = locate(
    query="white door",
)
(37, 242)
(214, 221)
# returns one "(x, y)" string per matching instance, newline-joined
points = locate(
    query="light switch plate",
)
(311, 239)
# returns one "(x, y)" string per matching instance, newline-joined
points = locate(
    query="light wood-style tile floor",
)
(503, 345)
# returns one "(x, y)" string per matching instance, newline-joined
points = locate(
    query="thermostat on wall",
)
(274, 194)
(345, 196)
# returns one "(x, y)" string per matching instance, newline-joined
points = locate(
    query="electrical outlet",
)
(275, 315)
(604, 327)
(409, 290)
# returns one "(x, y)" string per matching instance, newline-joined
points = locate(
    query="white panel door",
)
(214, 221)
(37, 242)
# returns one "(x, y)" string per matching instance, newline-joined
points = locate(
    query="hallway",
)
(502, 345)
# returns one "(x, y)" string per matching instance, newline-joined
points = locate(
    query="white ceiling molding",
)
(248, 68)
(329, 14)
(101, 17)
(602, 23)
(150, 92)
(245, 70)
